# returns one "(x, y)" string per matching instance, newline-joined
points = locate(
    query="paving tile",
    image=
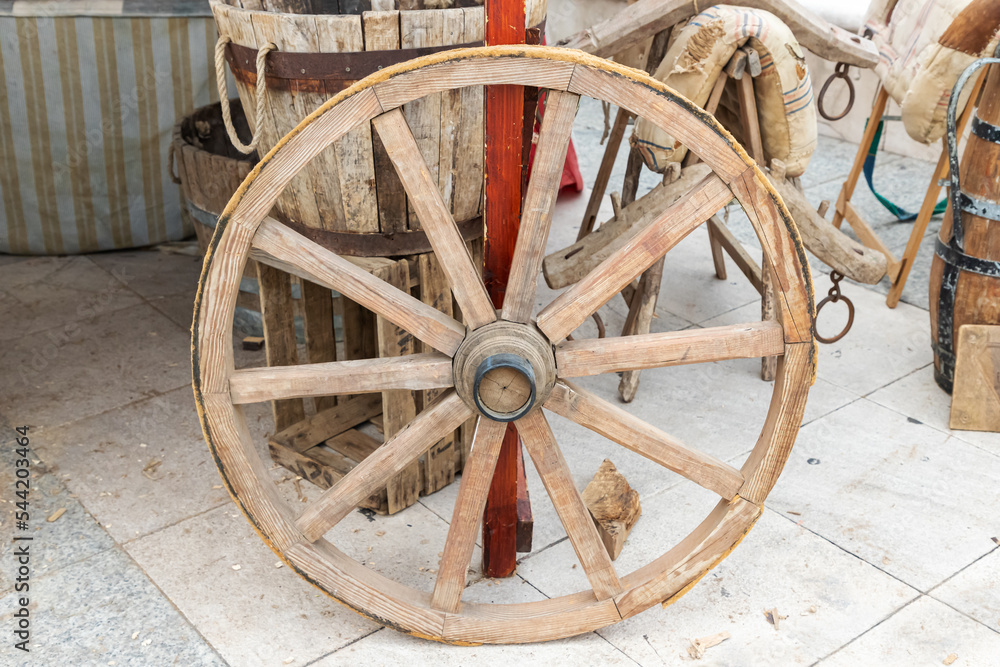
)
(72, 537)
(924, 633)
(832, 161)
(257, 615)
(152, 273)
(975, 590)
(57, 295)
(387, 647)
(884, 488)
(121, 357)
(6, 260)
(827, 595)
(104, 460)
(178, 307)
(917, 395)
(88, 613)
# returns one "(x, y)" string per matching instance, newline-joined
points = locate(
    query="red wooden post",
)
(504, 119)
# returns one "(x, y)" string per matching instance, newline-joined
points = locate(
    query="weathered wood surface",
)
(975, 399)
(613, 505)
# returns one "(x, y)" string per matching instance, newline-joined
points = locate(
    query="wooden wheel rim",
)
(410, 610)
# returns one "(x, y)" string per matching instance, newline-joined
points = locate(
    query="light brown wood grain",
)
(416, 371)
(572, 307)
(552, 468)
(593, 356)
(975, 399)
(436, 219)
(614, 506)
(279, 336)
(614, 423)
(319, 427)
(321, 344)
(309, 260)
(539, 204)
(400, 451)
(467, 514)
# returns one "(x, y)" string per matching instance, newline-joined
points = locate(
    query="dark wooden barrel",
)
(965, 273)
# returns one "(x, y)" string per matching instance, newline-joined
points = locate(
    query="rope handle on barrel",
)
(220, 75)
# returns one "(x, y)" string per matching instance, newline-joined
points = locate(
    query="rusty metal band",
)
(984, 130)
(357, 244)
(955, 261)
(309, 72)
(981, 208)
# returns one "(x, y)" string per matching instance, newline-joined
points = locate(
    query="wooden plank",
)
(399, 407)
(382, 466)
(415, 371)
(439, 463)
(452, 32)
(525, 521)
(307, 259)
(613, 505)
(279, 336)
(558, 481)
(321, 346)
(382, 34)
(469, 138)
(614, 423)
(285, 110)
(354, 444)
(353, 151)
(436, 219)
(975, 399)
(323, 425)
(467, 515)
(423, 115)
(304, 466)
(573, 306)
(539, 204)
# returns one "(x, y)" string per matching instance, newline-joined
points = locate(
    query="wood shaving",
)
(698, 646)
(55, 515)
(773, 617)
(150, 468)
(950, 659)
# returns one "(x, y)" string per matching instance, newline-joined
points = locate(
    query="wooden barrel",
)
(965, 273)
(351, 186)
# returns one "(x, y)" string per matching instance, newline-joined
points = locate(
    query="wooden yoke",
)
(504, 120)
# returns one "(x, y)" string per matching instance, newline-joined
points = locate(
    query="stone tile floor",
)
(877, 545)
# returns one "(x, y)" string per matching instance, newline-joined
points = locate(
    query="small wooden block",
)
(736, 65)
(253, 343)
(753, 61)
(975, 400)
(614, 506)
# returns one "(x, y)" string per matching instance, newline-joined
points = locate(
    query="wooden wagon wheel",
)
(528, 356)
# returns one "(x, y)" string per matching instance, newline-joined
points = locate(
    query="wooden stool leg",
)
(604, 173)
(930, 201)
(847, 190)
(644, 306)
(718, 254)
(279, 336)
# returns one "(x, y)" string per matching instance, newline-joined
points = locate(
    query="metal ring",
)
(839, 72)
(504, 360)
(850, 318)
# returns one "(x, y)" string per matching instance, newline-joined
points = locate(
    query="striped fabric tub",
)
(89, 93)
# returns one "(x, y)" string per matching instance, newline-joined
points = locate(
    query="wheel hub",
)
(504, 370)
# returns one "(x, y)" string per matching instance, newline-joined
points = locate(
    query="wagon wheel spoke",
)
(543, 188)
(279, 245)
(271, 383)
(435, 218)
(378, 467)
(476, 477)
(551, 466)
(594, 356)
(572, 307)
(612, 422)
